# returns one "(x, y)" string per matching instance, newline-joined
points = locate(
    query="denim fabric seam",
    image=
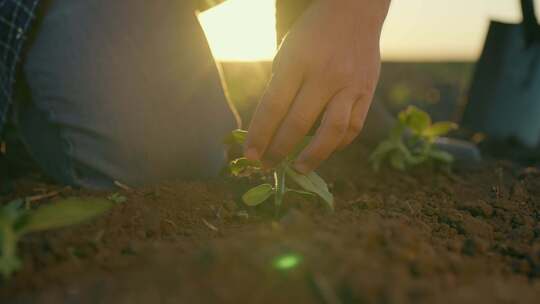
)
(69, 152)
(70, 174)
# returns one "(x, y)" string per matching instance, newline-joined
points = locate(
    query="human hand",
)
(327, 65)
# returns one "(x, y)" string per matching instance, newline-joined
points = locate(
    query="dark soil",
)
(422, 237)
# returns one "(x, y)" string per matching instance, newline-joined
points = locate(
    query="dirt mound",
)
(423, 237)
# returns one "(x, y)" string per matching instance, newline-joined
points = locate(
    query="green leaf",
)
(258, 195)
(397, 132)
(415, 119)
(381, 153)
(312, 182)
(303, 193)
(383, 149)
(117, 198)
(236, 137)
(410, 158)
(15, 205)
(441, 156)
(14, 214)
(64, 213)
(397, 160)
(439, 129)
(239, 165)
(8, 265)
(9, 262)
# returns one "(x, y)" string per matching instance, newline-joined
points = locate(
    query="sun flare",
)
(244, 30)
(241, 30)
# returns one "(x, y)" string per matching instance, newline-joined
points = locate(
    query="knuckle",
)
(338, 127)
(342, 74)
(314, 158)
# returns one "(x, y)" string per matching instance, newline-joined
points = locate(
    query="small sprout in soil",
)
(312, 184)
(16, 221)
(117, 198)
(411, 142)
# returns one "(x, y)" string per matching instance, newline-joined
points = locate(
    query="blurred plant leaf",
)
(70, 211)
(415, 119)
(382, 150)
(312, 182)
(303, 193)
(236, 137)
(397, 160)
(117, 198)
(14, 205)
(15, 221)
(439, 129)
(258, 195)
(9, 262)
(239, 165)
(12, 215)
(403, 150)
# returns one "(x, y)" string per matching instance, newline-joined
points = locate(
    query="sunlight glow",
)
(241, 30)
(244, 30)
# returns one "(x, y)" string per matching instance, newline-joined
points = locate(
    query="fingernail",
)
(252, 154)
(302, 167)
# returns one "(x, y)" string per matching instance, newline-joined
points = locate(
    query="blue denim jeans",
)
(123, 91)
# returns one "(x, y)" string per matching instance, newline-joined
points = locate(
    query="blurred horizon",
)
(416, 30)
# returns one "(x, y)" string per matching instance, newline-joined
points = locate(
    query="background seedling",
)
(16, 220)
(312, 184)
(117, 198)
(411, 141)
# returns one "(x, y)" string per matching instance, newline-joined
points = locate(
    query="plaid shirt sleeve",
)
(15, 20)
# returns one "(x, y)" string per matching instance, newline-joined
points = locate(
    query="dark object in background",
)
(15, 162)
(504, 100)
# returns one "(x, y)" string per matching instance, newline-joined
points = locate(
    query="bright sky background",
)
(415, 29)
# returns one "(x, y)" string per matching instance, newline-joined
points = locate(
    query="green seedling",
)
(117, 198)
(312, 185)
(17, 220)
(411, 142)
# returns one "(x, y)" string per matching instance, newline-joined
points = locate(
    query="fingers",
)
(358, 118)
(273, 107)
(305, 110)
(330, 134)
